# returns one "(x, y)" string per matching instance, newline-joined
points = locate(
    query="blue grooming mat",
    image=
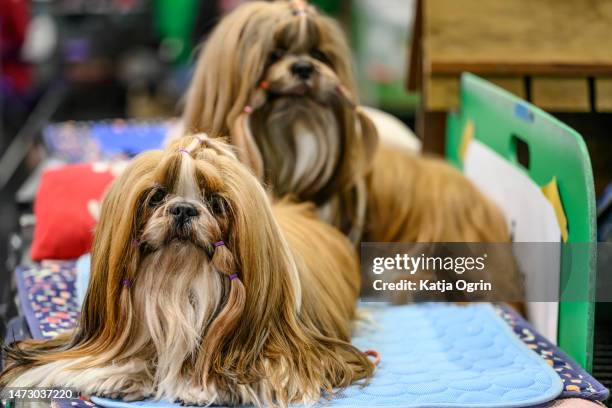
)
(48, 299)
(439, 355)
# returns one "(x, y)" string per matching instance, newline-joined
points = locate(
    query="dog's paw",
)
(135, 396)
(137, 390)
(193, 397)
(191, 403)
(134, 389)
(108, 395)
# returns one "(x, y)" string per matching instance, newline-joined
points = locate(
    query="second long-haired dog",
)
(202, 292)
(276, 76)
(279, 82)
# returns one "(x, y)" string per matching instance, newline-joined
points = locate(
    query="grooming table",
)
(440, 351)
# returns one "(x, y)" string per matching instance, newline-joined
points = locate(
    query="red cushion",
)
(66, 208)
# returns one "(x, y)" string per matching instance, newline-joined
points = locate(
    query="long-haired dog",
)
(276, 77)
(203, 292)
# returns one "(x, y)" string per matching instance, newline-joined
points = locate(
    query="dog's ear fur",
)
(359, 146)
(107, 304)
(215, 98)
(266, 269)
(247, 149)
(106, 322)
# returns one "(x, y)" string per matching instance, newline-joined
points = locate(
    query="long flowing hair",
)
(270, 342)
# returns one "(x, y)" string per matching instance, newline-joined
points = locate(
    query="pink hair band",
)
(373, 353)
(183, 150)
(299, 7)
(218, 244)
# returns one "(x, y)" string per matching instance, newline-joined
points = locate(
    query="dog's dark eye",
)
(275, 55)
(157, 197)
(320, 55)
(217, 204)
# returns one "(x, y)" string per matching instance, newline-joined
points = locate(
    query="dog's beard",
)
(177, 296)
(178, 291)
(300, 145)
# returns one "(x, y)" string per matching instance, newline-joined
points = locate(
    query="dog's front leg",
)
(129, 381)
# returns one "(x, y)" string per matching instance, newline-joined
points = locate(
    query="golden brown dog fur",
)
(309, 138)
(182, 329)
(435, 204)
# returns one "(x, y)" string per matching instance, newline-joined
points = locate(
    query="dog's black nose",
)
(183, 212)
(302, 69)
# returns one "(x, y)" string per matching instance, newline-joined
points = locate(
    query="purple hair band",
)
(127, 283)
(218, 244)
(233, 276)
(183, 150)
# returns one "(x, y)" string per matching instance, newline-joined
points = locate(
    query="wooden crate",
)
(556, 54)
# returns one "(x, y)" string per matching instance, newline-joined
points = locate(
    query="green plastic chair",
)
(555, 150)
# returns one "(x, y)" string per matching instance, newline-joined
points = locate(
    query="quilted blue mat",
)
(439, 355)
(49, 302)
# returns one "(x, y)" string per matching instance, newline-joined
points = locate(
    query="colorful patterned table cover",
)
(48, 300)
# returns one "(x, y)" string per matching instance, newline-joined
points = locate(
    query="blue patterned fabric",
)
(577, 382)
(103, 140)
(77, 403)
(47, 296)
